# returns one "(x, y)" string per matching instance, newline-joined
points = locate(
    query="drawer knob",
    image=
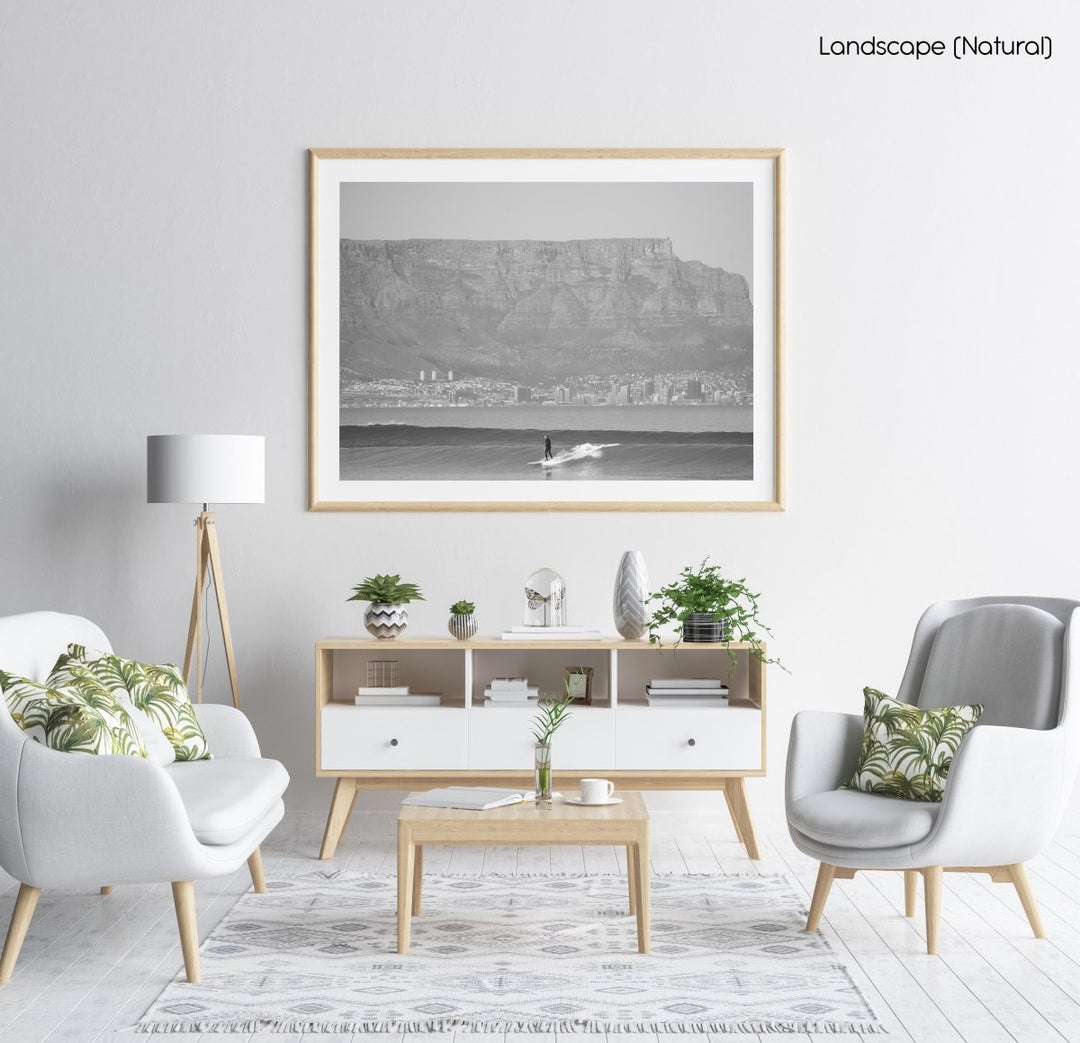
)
(393, 742)
(691, 742)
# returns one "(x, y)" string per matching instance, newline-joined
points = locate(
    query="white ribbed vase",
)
(628, 601)
(462, 625)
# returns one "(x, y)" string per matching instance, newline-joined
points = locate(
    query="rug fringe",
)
(535, 1025)
(329, 874)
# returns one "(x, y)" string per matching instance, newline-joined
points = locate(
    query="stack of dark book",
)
(686, 691)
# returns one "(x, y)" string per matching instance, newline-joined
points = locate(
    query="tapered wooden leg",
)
(631, 878)
(734, 818)
(642, 872)
(21, 916)
(932, 878)
(825, 875)
(255, 867)
(187, 921)
(911, 890)
(1019, 877)
(735, 792)
(406, 855)
(106, 890)
(340, 806)
(418, 879)
(348, 815)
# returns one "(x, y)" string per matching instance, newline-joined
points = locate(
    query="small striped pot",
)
(705, 627)
(462, 627)
(386, 621)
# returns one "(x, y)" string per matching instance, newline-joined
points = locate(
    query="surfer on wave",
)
(547, 447)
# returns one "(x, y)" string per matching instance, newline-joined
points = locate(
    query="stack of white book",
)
(686, 691)
(510, 691)
(560, 633)
(396, 695)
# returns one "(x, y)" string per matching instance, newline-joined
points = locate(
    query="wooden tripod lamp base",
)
(208, 564)
(206, 469)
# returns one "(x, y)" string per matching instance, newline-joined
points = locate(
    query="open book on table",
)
(469, 798)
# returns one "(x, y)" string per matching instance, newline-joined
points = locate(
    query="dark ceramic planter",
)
(704, 627)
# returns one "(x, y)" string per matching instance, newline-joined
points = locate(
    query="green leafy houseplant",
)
(386, 590)
(552, 714)
(706, 589)
(462, 608)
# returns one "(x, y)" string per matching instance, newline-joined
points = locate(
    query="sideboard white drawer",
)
(361, 738)
(711, 739)
(500, 739)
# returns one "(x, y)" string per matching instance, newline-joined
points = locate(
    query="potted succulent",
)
(553, 713)
(386, 616)
(462, 622)
(706, 605)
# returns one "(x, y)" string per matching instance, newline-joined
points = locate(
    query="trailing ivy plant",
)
(704, 588)
(462, 608)
(389, 590)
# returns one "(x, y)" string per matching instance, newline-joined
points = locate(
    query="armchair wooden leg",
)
(911, 890)
(255, 867)
(187, 920)
(825, 875)
(20, 921)
(1019, 877)
(932, 879)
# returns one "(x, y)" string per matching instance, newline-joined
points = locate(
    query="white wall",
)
(152, 279)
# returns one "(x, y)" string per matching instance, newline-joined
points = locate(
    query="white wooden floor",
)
(91, 965)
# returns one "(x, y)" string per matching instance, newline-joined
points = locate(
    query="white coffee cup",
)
(596, 791)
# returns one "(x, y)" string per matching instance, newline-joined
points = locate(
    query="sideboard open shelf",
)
(465, 742)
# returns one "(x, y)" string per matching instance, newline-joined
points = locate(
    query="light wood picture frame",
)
(546, 329)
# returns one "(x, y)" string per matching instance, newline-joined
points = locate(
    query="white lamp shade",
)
(205, 469)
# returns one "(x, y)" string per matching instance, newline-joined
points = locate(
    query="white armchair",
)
(73, 820)
(1009, 783)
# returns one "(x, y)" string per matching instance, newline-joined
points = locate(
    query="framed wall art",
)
(546, 329)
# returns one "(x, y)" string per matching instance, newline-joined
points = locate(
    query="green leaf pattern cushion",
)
(159, 691)
(87, 719)
(907, 752)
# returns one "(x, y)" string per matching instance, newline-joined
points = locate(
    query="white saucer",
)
(593, 803)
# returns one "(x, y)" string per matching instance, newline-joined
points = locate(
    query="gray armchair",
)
(69, 820)
(1009, 783)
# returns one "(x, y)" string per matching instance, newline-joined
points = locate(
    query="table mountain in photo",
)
(528, 309)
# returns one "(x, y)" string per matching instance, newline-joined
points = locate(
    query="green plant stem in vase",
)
(551, 715)
(542, 781)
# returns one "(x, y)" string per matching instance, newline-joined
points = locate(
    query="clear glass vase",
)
(542, 762)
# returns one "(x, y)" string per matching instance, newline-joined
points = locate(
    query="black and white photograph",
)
(550, 339)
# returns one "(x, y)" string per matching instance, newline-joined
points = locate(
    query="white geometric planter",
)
(386, 621)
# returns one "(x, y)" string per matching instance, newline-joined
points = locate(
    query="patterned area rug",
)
(516, 953)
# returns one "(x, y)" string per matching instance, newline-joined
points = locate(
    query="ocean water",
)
(663, 444)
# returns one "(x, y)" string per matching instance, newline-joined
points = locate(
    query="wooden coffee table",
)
(626, 823)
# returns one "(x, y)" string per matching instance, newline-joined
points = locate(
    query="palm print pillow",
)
(907, 752)
(159, 691)
(84, 720)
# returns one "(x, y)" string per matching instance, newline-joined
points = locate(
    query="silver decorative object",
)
(382, 673)
(545, 599)
(628, 601)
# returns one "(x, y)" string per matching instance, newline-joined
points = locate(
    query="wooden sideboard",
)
(466, 742)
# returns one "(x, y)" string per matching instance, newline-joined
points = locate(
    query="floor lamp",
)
(206, 469)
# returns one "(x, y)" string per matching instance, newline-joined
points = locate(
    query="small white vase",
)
(628, 601)
(386, 621)
(462, 625)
